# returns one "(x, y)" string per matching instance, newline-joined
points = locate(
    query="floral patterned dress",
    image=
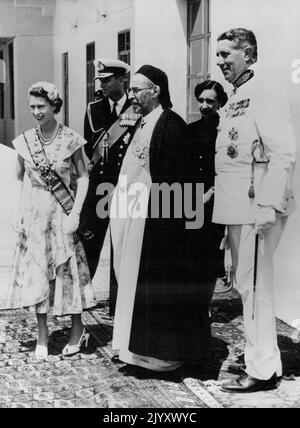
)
(50, 268)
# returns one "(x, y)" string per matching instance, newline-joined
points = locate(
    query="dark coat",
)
(206, 258)
(107, 173)
(169, 320)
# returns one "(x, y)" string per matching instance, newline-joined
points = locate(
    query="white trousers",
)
(262, 355)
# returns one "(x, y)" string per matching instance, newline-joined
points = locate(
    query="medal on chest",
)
(128, 119)
(232, 149)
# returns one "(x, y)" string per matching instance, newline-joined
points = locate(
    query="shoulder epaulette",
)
(89, 114)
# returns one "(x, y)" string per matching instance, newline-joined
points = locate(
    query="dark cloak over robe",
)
(170, 317)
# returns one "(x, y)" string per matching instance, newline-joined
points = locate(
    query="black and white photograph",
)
(149, 206)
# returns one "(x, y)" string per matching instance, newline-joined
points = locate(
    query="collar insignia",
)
(247, 75)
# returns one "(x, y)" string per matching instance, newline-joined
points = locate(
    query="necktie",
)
(114, 115)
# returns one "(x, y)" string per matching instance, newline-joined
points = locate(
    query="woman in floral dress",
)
(50, 269)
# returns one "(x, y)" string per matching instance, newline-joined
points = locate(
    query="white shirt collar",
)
(153, 116)
(120, 104)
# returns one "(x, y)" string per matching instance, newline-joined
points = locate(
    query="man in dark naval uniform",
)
(114, 110)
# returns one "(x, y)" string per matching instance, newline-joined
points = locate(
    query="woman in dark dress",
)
(207, 260)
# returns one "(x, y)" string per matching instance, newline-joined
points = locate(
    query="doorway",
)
(7, 93)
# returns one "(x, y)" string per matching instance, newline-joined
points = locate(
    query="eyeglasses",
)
(135, 91)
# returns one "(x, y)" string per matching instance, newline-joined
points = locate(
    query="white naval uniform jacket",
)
(256, 110)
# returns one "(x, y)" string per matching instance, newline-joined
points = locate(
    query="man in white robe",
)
(155, 306)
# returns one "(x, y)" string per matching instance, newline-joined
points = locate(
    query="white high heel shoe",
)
(41, 352)
(74, 349)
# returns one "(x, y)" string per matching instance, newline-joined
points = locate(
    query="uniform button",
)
(200, 169)
(119, 163)
(200, 157)
(121, 147)
(120, 156)
(101, 172)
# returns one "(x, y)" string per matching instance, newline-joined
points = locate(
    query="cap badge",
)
(100, 67)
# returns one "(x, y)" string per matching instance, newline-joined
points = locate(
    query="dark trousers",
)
(113, 288)
(93, 249)
(94, 246)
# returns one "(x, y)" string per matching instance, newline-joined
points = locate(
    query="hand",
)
(71, 224)
(265, 220)
(208, 195)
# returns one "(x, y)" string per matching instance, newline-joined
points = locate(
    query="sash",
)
(108, 138)
(53, 183)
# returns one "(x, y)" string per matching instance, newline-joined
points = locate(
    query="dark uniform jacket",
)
(98, 119)
(207, 261)
(202, 140)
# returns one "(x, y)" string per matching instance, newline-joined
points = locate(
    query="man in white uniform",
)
(255, 157)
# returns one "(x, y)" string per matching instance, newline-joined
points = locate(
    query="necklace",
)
(48, 141)
(45, 167)
(38, 145)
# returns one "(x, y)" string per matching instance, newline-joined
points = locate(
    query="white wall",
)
(90, 27)
(160, 40)
(33, 55)
(276, 25)
(158, 30)
(22, 20)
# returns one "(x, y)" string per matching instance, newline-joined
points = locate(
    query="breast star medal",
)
(126, 139)
(232, 149)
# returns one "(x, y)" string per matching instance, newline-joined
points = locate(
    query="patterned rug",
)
(91, 380)
(85, 380)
